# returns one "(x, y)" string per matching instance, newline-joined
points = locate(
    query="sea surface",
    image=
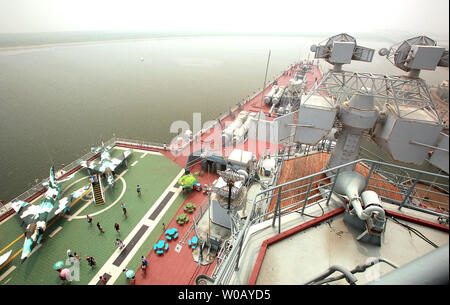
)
(56, 100)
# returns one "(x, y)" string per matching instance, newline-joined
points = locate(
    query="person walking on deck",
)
(89, 219)
(138, 189)
(124, 209)
(91, 261)
(120, 244)
(69, 253)
(117, 227)
(100, 227)
(103, 280)
(144, 264)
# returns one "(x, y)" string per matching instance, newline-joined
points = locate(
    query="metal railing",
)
(301, 194)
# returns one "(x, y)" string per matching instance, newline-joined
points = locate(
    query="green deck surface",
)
(153, 172)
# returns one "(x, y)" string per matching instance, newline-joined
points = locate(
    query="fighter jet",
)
(36, 217)
(107, 164)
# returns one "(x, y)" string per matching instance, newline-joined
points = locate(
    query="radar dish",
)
(417, 53)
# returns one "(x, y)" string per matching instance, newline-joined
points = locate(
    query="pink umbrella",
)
(65, 273)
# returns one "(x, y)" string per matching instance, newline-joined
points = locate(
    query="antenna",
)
(341, 49)
(264, 85)
(230, 177)
(416, 54)
(398, 112)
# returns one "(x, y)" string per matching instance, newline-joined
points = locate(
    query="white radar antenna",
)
(397, 112)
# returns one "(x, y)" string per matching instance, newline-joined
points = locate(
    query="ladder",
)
(97, 191)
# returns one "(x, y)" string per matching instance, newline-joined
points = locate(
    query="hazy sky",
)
(427, 17)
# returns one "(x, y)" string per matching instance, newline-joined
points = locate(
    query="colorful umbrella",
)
(129, 274)
(65, 273)
(58, 265)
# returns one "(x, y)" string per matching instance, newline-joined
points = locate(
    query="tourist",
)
(120, 244)
(103, 280)
(138, 189)
(124, 209)
(132, 279)
(117, 227)
(69, 253)
(76, 256)
(164, 227)
(89, 219)
(100, 227)
(144, 264)
(91, 261)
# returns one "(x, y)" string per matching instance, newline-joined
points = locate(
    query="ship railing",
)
(39, 188)
(425, 192)
(141, 143)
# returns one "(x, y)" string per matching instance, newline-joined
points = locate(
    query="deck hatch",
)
(161, 206)
(130, 246)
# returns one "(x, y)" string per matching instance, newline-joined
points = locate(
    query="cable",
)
(415, 231)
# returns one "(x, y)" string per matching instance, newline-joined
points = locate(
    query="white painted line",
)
(115, 271)
(7, 281)
(134, 163)
(55, 231)
(75, 216)
(11, 269)
(144, 154)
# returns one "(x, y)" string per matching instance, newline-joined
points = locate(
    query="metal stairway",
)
(98, 193)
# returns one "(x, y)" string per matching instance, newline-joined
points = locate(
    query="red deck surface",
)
(180, 268)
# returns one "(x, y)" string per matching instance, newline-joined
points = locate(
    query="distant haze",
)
(388, 18)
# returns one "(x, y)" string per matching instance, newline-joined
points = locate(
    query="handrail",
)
(233, 255)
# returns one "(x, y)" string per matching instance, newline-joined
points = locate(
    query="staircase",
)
(98, 193)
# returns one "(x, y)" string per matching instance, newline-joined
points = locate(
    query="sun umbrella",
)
(129, 274)
(58, 265)
(65, 273)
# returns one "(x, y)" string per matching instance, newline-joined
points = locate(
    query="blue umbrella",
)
(58, 265)
(129, 274)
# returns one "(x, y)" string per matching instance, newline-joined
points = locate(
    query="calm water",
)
(57, 101)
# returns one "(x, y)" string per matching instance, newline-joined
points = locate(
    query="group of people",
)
(90, 259)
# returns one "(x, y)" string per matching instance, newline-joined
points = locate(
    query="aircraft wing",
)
(17, 205)
(94, 165)
(66, 201)
(66, 179)
(118, 161)
(5, 257)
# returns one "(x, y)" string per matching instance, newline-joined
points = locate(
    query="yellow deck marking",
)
(12, 243)
(11, 258)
